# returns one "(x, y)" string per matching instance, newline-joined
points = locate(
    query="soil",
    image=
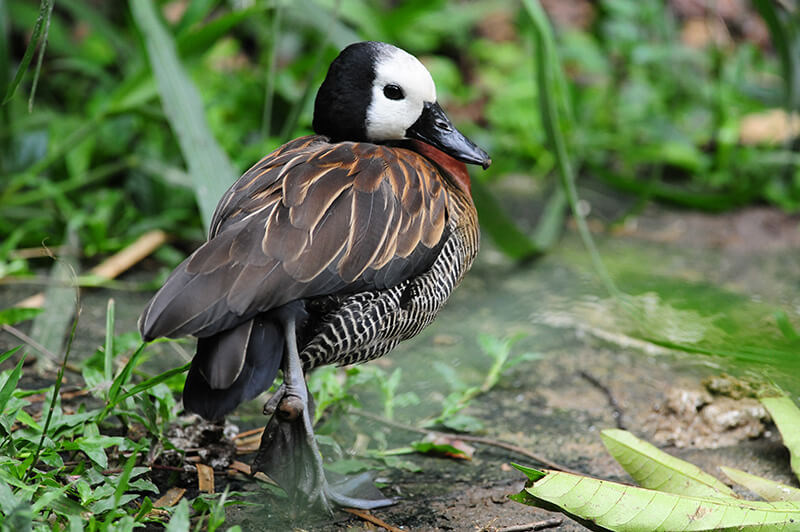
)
(554, 406)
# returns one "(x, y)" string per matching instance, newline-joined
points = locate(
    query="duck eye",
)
(393, 92)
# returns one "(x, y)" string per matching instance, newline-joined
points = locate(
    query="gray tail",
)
(233, 366)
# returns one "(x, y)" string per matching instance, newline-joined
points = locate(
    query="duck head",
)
(376, 92)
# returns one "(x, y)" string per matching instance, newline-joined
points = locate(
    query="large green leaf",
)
(604, 505)
(786, 416)
(209, 166)
(652, 468)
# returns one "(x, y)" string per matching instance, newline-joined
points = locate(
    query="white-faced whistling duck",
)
(330, 250)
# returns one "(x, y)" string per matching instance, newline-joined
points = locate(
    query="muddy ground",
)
(588, 377)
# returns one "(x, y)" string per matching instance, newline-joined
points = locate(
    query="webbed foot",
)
(289, 453)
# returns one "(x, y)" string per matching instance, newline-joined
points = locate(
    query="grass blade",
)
(652, 468)
(108, 355)
(124, 477)
(56, 389)
(124, 375)
(551, 221)
(42, 47)
(153, 381)
(141, 387)
(8, 354)
(548, 79)
(209, 166)
(41, 26)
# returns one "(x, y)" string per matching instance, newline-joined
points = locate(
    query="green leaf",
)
(463, 423)
(767, 489)
(124, 374)
(94, 447)
(179, 522)
(147, 506)
(152, 382)
(442, 447)
(198, 40)
(532, 474)
(8, 354)
(208, 164)
(604, 505)
(12, 316)
(8, 501)
(786, 417)
(10, 384)
(652, 468)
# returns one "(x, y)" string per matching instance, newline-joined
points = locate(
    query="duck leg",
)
(289, 453)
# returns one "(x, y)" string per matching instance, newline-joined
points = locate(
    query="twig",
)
(612, 401)
(167, 467)
(466, 437)
(65, 396)
(366, 516)
(39, 347)
(124, 259)
(36, 253)
(115, 264)
(247, 433)
(536, 525)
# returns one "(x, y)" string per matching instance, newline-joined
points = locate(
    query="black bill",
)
(435, 128)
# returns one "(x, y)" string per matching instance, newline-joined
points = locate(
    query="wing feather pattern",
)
(311, 219)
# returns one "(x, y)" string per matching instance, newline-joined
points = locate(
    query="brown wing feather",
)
(311, 219)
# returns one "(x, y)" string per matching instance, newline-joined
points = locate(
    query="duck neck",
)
(455, 169)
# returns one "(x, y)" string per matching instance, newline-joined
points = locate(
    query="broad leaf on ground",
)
(605, 505)
(654, 469)
(767, 489)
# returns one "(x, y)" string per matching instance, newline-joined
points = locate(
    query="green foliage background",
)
(93, 149)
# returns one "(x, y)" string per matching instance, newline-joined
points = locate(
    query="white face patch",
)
(388, 119)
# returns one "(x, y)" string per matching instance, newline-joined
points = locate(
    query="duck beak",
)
(434, 128)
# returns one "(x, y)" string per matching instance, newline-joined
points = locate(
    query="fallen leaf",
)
(444, 446)
(205, 478)
(170, 498)
(240, 467)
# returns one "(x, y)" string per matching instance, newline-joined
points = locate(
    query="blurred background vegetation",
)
(680, 101)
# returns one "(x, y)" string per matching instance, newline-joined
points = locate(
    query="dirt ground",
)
(587, 379)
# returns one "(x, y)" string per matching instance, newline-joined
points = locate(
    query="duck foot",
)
(289, 453)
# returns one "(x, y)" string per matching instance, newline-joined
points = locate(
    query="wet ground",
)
(590, 374)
